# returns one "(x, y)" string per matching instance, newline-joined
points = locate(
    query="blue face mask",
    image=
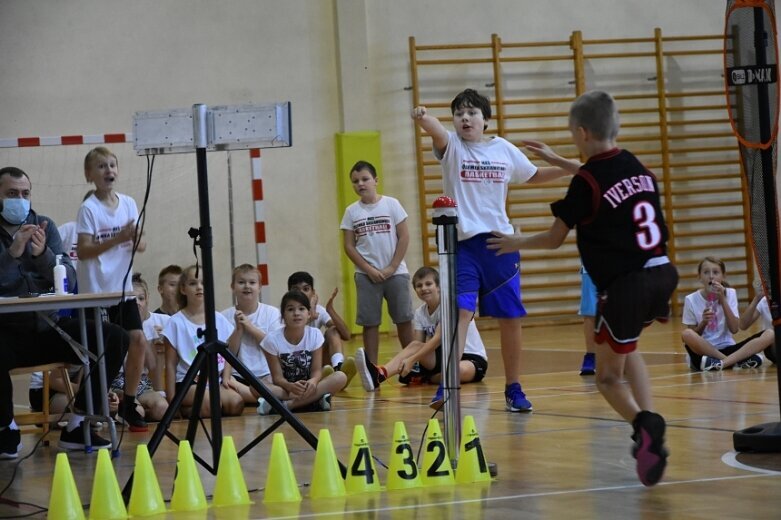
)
(15, 210)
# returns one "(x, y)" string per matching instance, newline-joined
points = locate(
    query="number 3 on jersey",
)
(648, 234)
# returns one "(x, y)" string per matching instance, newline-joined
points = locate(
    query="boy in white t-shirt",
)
(254, 320)
(426, 349)
(329, 322)
(106, 225)
(476, 172)
(375, 240)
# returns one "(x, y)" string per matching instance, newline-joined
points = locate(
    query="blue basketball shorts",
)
(490, 280)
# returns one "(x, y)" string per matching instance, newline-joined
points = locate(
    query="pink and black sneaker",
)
(649, 447)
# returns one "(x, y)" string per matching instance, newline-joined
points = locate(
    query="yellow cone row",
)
(328, 481)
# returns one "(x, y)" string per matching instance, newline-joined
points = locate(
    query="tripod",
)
(205, 363)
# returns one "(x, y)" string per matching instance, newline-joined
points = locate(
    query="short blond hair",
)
(99, 151)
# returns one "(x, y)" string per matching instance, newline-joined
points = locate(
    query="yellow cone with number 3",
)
(403, 472)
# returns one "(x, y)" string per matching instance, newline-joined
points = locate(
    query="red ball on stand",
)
(444, 202)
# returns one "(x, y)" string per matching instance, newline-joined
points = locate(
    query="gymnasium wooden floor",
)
(569, 459)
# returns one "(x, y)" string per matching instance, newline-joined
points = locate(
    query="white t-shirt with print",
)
(476, 176)
(268, 319)
(104, 273)
(322, 318)
(374, 227)
(182, 334)
(694, 306)
(295, 360)
(427, 323)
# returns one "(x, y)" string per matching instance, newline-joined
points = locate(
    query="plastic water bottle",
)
(712, 304)
(60, 277)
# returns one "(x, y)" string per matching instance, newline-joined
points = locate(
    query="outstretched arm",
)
(559, 166)
(336, 319)
(432, 126)
(550, 239)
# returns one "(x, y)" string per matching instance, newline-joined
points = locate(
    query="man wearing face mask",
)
(29, 245)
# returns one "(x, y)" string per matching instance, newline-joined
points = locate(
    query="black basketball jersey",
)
(613, 201)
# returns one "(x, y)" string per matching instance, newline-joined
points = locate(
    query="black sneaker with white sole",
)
(74, 439)
(10, 443)
(370, 375)
(128, 414)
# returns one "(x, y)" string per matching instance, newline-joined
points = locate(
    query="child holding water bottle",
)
(711, 317)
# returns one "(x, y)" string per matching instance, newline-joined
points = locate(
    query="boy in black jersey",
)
(613, 202)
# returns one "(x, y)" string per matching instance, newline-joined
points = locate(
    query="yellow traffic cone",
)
(230, 488)
(281, 484)
(106, 502)
(327, 481)
(361, 473)
(436, 469)
(472, 466)
(188, 492)
(64, 502)
(145, 497)
(403, 472)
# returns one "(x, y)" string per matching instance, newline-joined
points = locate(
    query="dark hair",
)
(364, 165)
(13, 171)
(471, 98)
(300, 277)
(423, 272)
(296, 296)
(169, 269)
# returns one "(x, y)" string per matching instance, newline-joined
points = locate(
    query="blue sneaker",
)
(708, 364)
(752, 361)
(438, 400)
(516, 399)
(589, 366)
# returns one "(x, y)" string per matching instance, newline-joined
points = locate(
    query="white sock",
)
(13, 425)
(336, 359)
(74, 422)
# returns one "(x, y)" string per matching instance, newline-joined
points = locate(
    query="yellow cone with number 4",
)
(361, 473)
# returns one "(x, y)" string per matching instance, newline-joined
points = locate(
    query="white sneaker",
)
(264, 408)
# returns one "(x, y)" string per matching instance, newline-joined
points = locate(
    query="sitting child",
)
(329, 322)
(152, 403)
(295, 357)
(182, 341)
(253, 320)
(710, 315)
(758, 308)
(426, 349)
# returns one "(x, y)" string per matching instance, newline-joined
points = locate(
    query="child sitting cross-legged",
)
(426, 350)
(295, 357)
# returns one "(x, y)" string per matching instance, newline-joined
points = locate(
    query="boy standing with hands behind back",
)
(106, 225)
(622, 237)
(476, 171)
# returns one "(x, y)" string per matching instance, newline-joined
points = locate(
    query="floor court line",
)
(535, 495)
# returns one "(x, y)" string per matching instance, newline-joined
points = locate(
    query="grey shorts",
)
(396, 290)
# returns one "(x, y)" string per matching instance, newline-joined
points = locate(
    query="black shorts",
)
(480, 363)
(695, 359)
(126, 315)
(634, 301)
